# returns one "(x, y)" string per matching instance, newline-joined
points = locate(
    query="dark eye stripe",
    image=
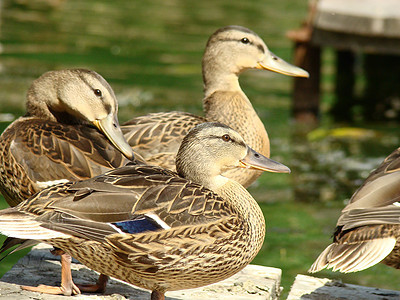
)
(94, 89)
(108, 108)
(259, 46)
(241, 143)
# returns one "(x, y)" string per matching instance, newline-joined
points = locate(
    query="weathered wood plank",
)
(41, 267)
(367, 17)
(371, 26)
(355, 42)
(312, 288)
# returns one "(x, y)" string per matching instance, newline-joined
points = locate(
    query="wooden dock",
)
(252, 283)
(312, 288)
(41, 267)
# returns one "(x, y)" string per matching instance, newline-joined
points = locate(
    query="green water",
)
(150, 52)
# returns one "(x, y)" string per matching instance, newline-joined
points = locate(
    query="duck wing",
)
(367, 229)
(381, 186)
(157, 136)
(129, 200)
(376, 201)
(39, 154)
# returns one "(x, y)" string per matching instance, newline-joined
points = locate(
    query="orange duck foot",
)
(98, 287)
(157, 295)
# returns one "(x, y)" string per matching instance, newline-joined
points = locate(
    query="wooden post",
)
(342, 110)
(306, 92)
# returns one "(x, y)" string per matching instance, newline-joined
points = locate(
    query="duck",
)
(70, 132)
(152, 227)
(229, 51)
(368, 229)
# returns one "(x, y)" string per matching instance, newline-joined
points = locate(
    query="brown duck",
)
(70, 132)
(151, 227)
(368, 230)
(229, 51)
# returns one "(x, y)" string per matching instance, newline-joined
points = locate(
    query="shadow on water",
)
(150, 52)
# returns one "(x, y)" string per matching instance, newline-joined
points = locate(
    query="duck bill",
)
(109, 126)
(275, 64)
(254, 160)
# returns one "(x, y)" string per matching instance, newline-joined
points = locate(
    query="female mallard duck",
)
(151, 227)
(70, 132)
(229, 51)
(368, 230)
(56, 140)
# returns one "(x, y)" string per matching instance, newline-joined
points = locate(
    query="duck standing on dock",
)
(155, 228)
(70, 132)
(229, 51)
(368, 230)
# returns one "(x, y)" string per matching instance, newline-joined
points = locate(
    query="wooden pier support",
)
(370, 28)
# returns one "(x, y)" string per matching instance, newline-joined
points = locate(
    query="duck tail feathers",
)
(17, 224)
(353, 257)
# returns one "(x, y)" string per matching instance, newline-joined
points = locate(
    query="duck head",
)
(78, 96)
(234, 49)
(209, 149)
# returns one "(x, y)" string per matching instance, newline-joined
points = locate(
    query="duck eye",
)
(245, 40)
(226, 138)
(97, 92)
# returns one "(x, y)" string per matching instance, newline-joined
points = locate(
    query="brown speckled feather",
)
(368, 230)
(37, 151)
(135, 190)
(157, 137)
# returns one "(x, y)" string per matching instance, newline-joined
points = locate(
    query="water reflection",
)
(331, 163)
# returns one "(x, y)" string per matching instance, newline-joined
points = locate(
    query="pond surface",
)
(150, 52)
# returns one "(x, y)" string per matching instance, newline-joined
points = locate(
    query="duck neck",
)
(225, 102)
(233, 108)
(36, 104)
(43, 100)
(252, 216)
(217, 80)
